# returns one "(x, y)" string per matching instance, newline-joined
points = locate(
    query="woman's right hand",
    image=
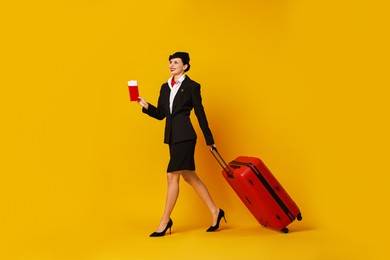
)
(143, 103)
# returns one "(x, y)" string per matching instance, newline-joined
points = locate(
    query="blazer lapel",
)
(179, 93)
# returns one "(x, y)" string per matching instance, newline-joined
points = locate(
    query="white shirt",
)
(174, 89)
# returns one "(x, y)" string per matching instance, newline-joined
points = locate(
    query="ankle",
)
(165, 220)
(215, 211)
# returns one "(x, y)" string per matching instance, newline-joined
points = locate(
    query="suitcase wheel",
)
(299, 217)
(285, 230)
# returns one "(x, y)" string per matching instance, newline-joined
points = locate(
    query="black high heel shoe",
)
(221, 215)
(160, 234)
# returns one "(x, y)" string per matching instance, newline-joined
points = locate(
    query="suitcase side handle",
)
(221, 161)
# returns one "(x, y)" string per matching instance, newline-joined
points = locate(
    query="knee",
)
(173, 177)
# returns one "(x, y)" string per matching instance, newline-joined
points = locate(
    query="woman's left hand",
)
(212, 147)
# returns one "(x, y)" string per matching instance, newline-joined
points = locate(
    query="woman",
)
(177, 98)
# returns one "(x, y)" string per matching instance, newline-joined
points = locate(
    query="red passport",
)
(133, 90)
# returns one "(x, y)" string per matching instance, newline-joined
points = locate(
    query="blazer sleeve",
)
(201, 115)
(156, 112)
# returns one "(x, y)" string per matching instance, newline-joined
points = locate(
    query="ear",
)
(185, 66)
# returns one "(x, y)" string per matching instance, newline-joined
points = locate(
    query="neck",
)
(176, 77)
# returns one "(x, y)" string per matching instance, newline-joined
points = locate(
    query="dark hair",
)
(184, 56)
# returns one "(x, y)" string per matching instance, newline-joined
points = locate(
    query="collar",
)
(180, 80)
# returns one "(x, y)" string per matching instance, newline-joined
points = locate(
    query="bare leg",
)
(173, 179)
(192, 179)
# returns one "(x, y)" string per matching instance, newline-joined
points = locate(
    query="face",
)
(176, 66)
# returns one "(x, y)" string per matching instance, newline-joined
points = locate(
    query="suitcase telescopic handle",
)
(221, 161)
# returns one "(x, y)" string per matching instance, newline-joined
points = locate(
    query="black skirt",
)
(182, 156)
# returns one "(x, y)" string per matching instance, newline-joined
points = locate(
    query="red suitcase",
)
(262, 194)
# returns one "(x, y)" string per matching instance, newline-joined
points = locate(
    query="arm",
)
(151, 110)
(201, 115)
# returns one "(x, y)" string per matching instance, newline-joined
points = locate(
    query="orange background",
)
(301, 84)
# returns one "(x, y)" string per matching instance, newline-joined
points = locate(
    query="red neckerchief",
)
(173, 82)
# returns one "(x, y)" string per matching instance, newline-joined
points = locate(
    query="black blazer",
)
(178, 126)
